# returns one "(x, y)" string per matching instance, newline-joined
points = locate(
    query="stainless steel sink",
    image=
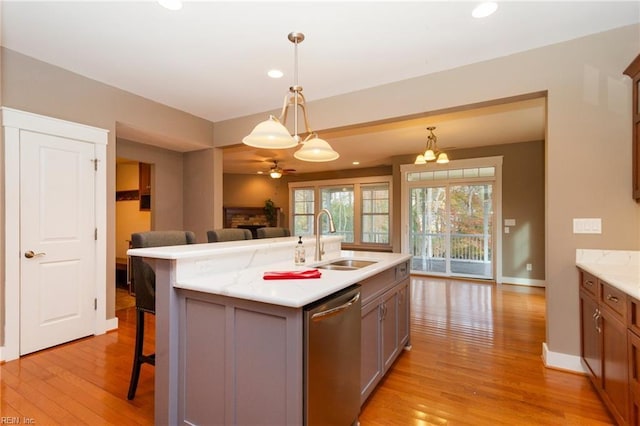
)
(346, 264)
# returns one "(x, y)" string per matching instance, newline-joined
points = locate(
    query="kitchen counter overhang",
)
(235, 269)
(619, 268)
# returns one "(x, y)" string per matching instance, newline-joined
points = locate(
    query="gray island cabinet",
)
(230, 345)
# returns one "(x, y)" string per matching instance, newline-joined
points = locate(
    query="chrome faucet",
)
(332, 229)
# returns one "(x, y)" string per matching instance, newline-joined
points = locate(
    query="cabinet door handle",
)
(597, 321)
(383, 311)
(612, 298)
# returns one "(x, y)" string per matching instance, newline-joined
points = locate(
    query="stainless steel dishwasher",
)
(332, 359)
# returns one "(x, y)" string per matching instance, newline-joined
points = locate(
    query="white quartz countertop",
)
(236, 269)
(248, 283)
(620, 268)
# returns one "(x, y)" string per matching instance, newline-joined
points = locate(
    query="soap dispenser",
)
(299, 256)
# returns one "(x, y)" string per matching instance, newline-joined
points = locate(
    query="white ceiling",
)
(210, 58)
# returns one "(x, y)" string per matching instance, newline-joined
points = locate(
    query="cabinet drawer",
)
(402, 271)
(614, 299)
(589, 283)
(376, 285)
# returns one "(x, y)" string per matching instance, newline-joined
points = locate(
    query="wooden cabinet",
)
(385, 325)
(590, 337)
(633, 354)
(144, 185)
(633, 71)
(615, 384)
(634, 378)
(604, 350)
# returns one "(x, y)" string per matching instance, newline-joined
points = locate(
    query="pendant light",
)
(272, 133)
(431, 152)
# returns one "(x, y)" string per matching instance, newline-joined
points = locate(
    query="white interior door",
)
(57, 240)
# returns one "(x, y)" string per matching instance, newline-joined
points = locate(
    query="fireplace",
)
(250, 218)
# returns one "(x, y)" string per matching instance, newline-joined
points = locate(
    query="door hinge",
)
(95, 304)
(95, 234)
(95, 164)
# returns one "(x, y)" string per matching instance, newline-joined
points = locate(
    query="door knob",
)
(30, 254)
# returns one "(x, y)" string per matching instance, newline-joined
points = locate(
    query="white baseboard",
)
(561, 361)
(524, 281)
(112, 323)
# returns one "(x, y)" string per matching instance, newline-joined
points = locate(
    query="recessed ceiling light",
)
(275, 73)
(171, 4)
(484, 9)
(355, 163)
(260, 172)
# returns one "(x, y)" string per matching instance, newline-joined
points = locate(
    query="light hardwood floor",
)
(475, 360)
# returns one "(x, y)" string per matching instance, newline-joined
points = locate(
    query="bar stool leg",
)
(137, 354)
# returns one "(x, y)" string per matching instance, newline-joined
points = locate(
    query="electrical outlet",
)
(529, 268)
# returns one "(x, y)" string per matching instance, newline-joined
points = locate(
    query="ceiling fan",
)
(276, 171)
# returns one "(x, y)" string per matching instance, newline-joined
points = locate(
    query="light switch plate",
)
(509, 222)
(587, 225)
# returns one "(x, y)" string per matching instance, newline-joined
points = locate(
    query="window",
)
(360, 207)
(470, 172)
(339, 201)
(303, 205)
(375, 213)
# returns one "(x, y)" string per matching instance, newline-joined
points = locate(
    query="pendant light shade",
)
(431, 152)
(443, 158)
(315, 149)
(270, 134)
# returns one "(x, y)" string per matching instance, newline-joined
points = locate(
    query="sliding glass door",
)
(471, 230)
(451, 228)
(428, 228)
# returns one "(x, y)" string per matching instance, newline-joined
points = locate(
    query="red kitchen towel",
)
(291, 275)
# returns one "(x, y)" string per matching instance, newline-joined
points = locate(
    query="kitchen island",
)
(229, 345)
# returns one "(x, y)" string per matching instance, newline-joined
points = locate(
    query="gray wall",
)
(198, 189)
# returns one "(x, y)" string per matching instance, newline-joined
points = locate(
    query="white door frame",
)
(13, 121)
(465, 163)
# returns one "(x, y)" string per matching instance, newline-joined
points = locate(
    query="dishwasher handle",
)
(318, 316)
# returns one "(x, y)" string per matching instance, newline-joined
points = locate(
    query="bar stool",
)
(144, 283)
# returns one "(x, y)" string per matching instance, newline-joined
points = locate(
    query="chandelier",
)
(431, 152)
(272, 133)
